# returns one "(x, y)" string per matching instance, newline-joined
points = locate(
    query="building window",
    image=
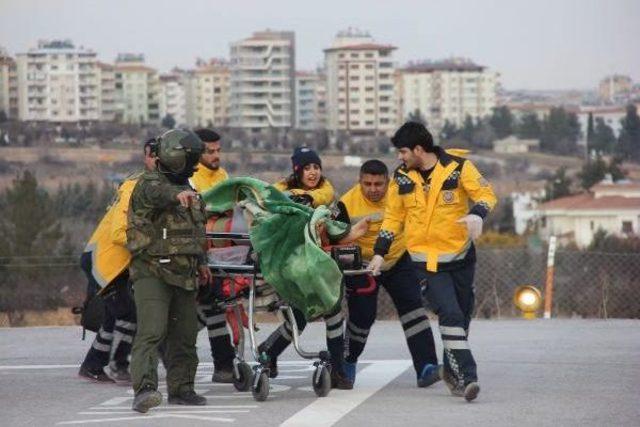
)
(627, 227)
(591, 225)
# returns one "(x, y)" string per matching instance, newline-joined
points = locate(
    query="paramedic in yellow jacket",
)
(306, 184)
(439, 200)
(368, 199)
(105, 262)
(208, 174)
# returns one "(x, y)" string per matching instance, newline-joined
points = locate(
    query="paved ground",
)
(557, 372)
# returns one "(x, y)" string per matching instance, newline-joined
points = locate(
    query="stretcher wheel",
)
(321, 381)
(260, 389)
(243, 381)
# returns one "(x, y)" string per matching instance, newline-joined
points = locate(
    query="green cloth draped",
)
(284, 236)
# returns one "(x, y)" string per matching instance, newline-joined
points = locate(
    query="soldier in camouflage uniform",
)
(166, 238)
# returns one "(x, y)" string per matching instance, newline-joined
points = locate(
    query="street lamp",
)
(528, 300)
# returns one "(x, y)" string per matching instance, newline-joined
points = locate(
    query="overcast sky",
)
(534, 44)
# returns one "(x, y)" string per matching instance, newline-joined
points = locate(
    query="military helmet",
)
(179, 151)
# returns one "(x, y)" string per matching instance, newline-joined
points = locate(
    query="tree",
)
(449, 130)
(592, 172)
(502, 121)
(529, 127)
(558, 185)
(603, 140)
(28, 223)
(468, 130)
(168, 121)
(628, 147)
(560, 132)
(416, 116)
(590, 133)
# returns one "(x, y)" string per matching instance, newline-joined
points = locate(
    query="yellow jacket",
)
(109, 255)
(205, 178)
(323, 195)
(357, 207)
(428, 214)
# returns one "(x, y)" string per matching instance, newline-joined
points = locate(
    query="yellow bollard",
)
(528, 300)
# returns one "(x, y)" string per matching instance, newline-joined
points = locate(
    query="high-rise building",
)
(211, 86)
(137, 89)
(262, 81)
(172, 97)
(58, 82)
(615, 89)
(448, 90)
(361, 96)
(8, 85)
(310, 100)
(109, 109)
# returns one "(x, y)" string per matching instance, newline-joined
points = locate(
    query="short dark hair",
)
(374, 167)
(207, 135)
(412, 134)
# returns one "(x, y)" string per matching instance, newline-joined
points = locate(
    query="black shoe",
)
(340, 381)
(95, 375)
(471, 391)
(190, 398)
(430, 375)
(454, 386)
(145, 399)
(222, 374)
(120, 374)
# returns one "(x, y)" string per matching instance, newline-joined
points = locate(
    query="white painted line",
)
(147, 418)
(326, 411)
(17, 367)
(201, 365)
(129, 412)
(172, 408)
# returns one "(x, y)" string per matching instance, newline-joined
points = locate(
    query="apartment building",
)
(262, 81)
(8, 85)
(310, 89)
(172, 96)
(110, 110)
(448, 90)
(211, 88)
(137, 89)
(58, 82)
(361, 96)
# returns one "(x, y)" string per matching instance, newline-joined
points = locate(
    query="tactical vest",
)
(170, 240)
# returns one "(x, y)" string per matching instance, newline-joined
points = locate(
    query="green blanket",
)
(284, 236)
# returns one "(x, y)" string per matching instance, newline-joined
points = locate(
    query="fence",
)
(587, 284)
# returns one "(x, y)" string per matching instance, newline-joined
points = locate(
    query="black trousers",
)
(401, 284)
(119, 325)
(280, 339)
(451, 295)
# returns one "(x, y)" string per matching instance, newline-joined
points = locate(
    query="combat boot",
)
(189, 397)
(146, 398)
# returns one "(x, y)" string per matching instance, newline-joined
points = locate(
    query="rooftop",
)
(587, 201)
(453, 64)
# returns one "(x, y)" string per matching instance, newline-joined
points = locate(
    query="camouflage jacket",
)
(166, 239)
